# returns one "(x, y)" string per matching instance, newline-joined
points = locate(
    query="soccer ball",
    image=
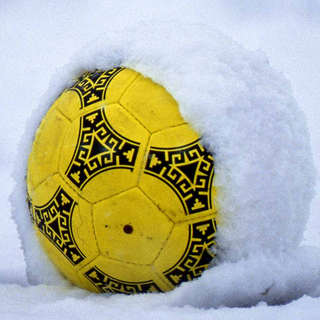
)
(120, 189)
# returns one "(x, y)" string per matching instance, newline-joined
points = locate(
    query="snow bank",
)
(245, 112)
(56, 303)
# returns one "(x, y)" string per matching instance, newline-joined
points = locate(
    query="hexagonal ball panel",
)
(64, 224)
(103, 152)
(178, 174)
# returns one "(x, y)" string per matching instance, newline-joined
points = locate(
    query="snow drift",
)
(247, 117)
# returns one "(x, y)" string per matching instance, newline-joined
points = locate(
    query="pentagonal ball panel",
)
(130, 228)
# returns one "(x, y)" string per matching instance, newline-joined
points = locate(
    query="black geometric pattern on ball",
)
(106, 283)
(92, 86)
(197, 255)
(188, 170)
(54, 221)
(99, 148)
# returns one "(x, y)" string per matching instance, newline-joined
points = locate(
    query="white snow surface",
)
(244, 110)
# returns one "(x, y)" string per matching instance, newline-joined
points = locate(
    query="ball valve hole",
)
(128, 229)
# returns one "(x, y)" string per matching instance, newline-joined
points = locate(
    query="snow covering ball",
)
(247, 118)
(120, 188)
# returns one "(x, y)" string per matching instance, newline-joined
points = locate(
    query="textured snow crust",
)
(247, 117)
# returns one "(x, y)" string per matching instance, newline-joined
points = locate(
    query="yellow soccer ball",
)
(120, 189)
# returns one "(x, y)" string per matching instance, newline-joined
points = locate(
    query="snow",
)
(265, 184)
(72, 303)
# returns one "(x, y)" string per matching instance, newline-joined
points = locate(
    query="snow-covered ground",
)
(38, 38)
